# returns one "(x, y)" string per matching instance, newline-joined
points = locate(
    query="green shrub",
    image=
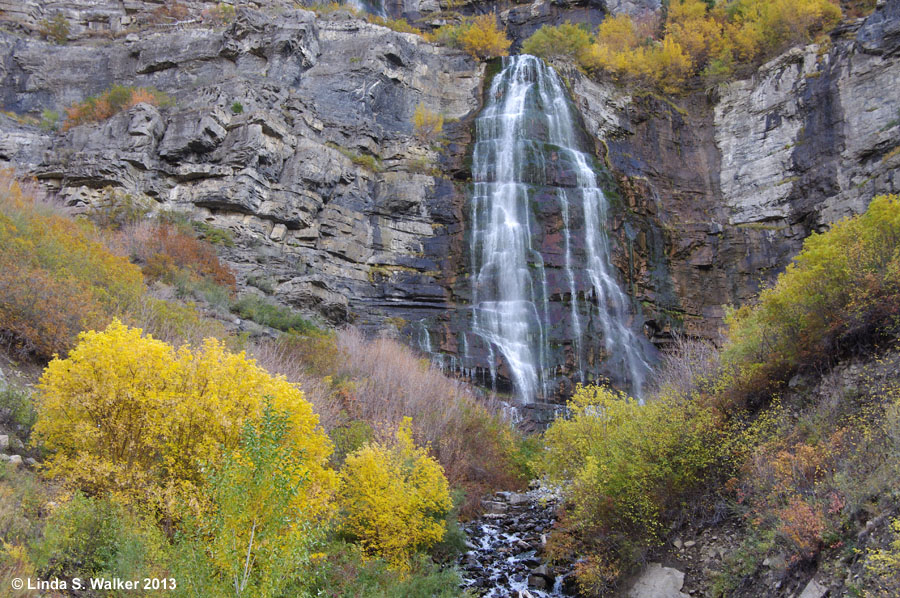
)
(248, 541)
(237, 108)
(17, 402)
(562, 41)
(344, 572)
(398, 25)
(87, 537)
(263, 282)
(211, 234)
(116, 209)
(49, 120)
(448, 35)
(267, 313)
(842, 288)
(348, 438)
(624, 465)
(176, 323)
(22, 501)
(189, 286)
(56, 29)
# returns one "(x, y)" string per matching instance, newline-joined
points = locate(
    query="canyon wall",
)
(295, 133)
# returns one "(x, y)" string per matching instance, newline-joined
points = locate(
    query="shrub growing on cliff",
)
(561, 41)
(56, 277)
(428, 125)
(623, 49)
(167, 249)
(394, 498)
(700, 38)
(56, 29)
(113, 101)
(842, 287)
(484, 40)
(479, 36)
(130, 415)
(269, 313)
(398, 25)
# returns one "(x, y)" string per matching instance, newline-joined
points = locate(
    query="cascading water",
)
(527, 150)
(374, 7)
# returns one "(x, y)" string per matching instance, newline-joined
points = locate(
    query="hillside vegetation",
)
(799, 470)
(294, 463)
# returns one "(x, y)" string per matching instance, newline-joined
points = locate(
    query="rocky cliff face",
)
(319, 176)
(722, 187)
(342, 212)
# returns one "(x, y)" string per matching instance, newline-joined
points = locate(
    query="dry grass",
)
(352, 379)
(689, 365)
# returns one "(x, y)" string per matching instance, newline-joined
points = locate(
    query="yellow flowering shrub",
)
(128, 414)
(428, 125)
(394, 498)
(883, 566)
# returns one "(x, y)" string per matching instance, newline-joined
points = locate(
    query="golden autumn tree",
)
(483, 39)
(129, 415)
(394, 498)
(428, 124)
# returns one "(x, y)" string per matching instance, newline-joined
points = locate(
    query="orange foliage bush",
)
(110, 102)
(163, 248)
(802, 525)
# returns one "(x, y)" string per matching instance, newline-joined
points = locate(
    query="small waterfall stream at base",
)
(506, 545)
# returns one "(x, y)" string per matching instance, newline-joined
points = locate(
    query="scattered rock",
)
(494, 507)
(813, 590)
(15, 460)
(536, 581)
(4, 442)
(656, 581)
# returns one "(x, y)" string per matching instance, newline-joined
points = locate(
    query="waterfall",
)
(374, 7)
(528, 149)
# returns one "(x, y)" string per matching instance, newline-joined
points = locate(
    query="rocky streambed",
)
(506, 546)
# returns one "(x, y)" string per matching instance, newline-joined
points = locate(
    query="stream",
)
(505, 546)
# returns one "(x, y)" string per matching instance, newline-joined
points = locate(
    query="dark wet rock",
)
(507, 553)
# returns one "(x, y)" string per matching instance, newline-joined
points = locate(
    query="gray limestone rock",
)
(656, 581)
